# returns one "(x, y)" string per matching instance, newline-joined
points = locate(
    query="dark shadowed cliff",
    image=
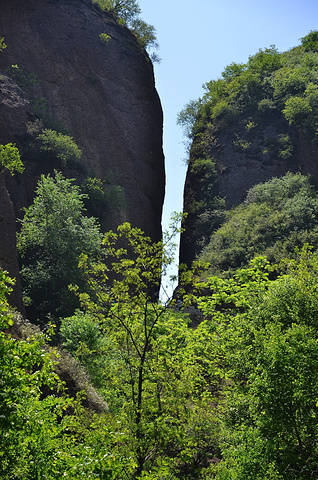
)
(101, 93)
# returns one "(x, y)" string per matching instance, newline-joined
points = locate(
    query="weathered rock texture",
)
(14, 113)
(102, 93)
(242, 159)
(8, 251)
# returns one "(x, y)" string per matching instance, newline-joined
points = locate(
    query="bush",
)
(81, 334)
(2, 44)
(266, 105)
(63, 147)
(104, 37)
(10, 159)
(296, 110)
(277, 216)
(310, 41)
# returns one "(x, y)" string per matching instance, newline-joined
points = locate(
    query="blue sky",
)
(198, 39)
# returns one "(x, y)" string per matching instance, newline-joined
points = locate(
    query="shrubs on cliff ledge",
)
(10, 159)
(276, 217)
(61, 146)
(128, 13)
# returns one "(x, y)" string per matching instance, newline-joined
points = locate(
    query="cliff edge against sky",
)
(58, 69)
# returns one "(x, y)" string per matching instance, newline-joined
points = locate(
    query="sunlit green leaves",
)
(159, 376)
(10, 159)
(268, 339)
(2, 44)
(276, 217)
(63, 147)
(310, 41)
(54, 233)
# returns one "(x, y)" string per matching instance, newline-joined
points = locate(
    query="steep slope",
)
(257, 122)
(98, 90)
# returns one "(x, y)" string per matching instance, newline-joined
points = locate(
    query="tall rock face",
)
(100, 90)
(213, 187)
(15, 110)
(260, 120)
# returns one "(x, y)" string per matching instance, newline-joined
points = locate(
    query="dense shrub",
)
(62, 147)
(276, 217)
(10, 159)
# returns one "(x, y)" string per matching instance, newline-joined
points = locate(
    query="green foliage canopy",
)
(268, 335)
(268, 75)
(44, 433)
(25, 369)
(241, 386)
(128, 12)
(276, 217)
(310, 41)
(61, 146)
(152, 363)
(54, 232)
(235, 397)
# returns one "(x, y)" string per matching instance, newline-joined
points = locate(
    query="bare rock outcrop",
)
(102, 93)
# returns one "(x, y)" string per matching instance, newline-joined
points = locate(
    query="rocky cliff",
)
(237, 167)
(255, 123)
(98, 89)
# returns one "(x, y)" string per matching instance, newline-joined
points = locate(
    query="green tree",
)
(158, 373)
(124, 9)
(187, 117)
(268, 339)
(54, 232)
(146, 35)
(128, 12)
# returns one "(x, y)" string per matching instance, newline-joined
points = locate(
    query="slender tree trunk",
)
(139, 435)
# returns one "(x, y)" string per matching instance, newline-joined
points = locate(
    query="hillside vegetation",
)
(275, 218)
(257, 121)
(235, 397)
